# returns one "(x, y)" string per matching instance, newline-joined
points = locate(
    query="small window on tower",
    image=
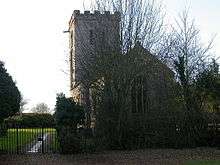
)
(103, 41)
(103, 36)
(91, 37)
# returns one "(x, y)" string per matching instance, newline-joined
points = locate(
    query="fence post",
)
(17, 140)
(42, 140)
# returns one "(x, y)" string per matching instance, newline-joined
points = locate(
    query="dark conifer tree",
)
(9, 94)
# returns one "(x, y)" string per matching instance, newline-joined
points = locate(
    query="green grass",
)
(203, 162)
(11, 141)
(53, 141)
(54, 144)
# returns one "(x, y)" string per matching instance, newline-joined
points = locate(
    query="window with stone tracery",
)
(139, 98)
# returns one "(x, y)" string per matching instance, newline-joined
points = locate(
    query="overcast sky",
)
(34, 48)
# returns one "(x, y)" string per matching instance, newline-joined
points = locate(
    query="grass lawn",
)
(53, 144)
(203, 162)
(11, 141)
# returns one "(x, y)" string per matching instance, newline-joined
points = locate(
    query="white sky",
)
(34, 48)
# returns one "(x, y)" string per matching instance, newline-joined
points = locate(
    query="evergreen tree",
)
(68, 115)
(9, 95)
(67, 112)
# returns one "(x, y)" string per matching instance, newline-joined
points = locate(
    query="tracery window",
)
(139, 98)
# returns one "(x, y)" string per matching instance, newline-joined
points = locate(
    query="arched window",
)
(91, 37)
(139, 98)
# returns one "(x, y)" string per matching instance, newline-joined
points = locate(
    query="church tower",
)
(89, 34)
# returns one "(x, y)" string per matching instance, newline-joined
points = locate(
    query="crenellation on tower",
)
(94, 15)
(107, 13)
(97, 12)
(86, 12)
(76, 12)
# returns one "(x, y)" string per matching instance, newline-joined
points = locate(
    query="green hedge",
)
(32, 120)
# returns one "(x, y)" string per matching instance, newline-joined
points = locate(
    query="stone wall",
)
(90, 33)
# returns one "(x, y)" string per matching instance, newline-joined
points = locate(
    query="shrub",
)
(3, 129)
(70, 142)
(68, 115)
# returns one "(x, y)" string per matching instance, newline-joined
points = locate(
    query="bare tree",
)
(23, 103)
(141, 20)
(41, 108)
(188, 57)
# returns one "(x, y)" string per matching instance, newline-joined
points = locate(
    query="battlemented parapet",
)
(95, 15)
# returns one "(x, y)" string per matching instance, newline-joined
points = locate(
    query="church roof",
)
(140, 52)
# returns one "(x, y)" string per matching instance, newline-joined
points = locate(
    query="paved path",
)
(38, 145)
(139, 157)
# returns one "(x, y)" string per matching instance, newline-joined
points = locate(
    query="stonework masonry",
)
(89, 34)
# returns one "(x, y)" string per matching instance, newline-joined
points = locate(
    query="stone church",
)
(90, 33)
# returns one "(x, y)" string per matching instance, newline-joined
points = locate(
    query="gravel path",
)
(139, 157)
